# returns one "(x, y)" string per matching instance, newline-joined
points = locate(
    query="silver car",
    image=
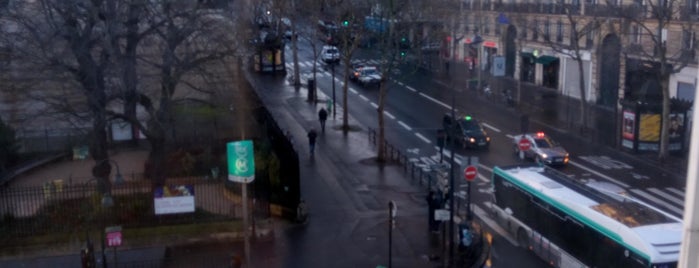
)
(543, 149)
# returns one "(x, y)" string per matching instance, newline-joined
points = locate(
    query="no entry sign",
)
(470, 173)
(524, 144)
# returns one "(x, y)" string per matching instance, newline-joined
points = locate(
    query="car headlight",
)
(544, 156)
(472, 140)
(487, 139)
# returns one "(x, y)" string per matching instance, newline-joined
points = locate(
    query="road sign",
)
(524, 144)
(441, 215)
(113, 236)
(470, 173)
(241, 161)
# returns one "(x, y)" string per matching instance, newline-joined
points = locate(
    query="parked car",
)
(330, 54)
(365, 74)
(465, 131)
(543, 149)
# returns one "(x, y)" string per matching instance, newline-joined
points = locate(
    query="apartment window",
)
(524, 29)
(547, 30)
(590, 37)
(693, 6)
(635, 34)
(497, 26)
(688, 40)
(559, 31)
(486, 27)
(535, 32)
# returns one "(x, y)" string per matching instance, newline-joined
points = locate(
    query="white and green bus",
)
(570, 224)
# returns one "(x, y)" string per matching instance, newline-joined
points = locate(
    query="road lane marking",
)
(423, 138)
(364, 98)
(605, 162)
(623, 185)
(491, 127)
(674, 190)
(405, 125)
(435, 101)
(353, 90)
(411, 88)
(657, 201)
(374, 105)
(667, 196)
(389, 115)
(400, 83)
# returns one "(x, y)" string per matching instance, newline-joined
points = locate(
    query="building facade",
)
(619, 45)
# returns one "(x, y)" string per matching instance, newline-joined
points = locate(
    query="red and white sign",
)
(524, 144)
(114, 239)
(470, 173)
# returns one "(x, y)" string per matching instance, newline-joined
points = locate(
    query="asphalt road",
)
(415, 104)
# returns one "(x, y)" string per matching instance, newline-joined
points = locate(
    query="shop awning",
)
(546, 60)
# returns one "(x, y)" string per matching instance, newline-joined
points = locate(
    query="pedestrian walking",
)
(322, 116)
(312, 135)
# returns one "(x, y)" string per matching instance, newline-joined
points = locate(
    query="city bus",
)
(570, 224)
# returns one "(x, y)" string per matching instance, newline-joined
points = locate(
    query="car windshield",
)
(369, 71)
(470, 126)
(544, 142)
(332, 51)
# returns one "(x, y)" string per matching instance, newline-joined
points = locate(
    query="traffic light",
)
(402, 53)
(345, 23)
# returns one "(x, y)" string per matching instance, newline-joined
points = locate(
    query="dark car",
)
(466, 131)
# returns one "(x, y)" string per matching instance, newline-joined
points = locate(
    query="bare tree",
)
(134, 53)
(63, 39)
(578, 30)
(651, 24)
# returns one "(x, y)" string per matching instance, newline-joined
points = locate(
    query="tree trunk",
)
(100, 151)
(381, 157)
(345, 88)
(583, 96)
(665, 121)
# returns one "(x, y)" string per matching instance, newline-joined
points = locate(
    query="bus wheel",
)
(522, 239)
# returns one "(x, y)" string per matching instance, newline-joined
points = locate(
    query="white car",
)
(365, 74)
(330, 54)
(543, 149)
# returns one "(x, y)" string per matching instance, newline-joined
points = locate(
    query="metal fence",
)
(55, 207)
(432, 177)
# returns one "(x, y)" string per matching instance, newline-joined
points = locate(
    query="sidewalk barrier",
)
(424, 175)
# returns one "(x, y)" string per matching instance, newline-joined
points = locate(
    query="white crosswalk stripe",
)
(657, 201)
(666, 196)
(676, 191)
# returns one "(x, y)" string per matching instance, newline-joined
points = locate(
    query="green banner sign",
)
(241, 161)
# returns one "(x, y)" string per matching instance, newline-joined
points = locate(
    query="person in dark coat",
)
(322, 116)
(312, 135)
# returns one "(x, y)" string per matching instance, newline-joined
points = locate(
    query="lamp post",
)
(107, 201)
(332, 67)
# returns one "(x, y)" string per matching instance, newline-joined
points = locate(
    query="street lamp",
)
(107, 202)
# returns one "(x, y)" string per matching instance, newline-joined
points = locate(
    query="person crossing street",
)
(322, 116)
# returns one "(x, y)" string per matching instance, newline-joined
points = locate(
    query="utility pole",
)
(690, 241)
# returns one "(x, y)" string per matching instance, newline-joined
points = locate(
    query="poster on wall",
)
(628, 129)
(649, 127)
(173, 199)
(676, 128)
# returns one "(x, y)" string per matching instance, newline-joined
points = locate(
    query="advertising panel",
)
(173, 199)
